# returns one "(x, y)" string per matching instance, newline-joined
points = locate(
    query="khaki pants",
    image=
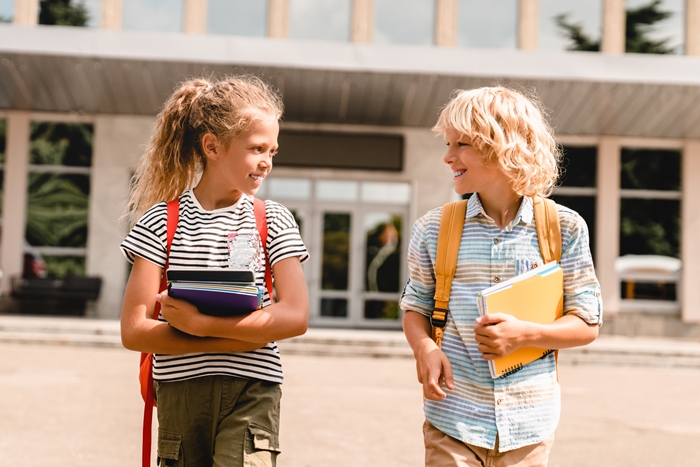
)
(442, 450)
(218, 421)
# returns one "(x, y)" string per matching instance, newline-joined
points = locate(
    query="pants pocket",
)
(261, 447)
(169, 445)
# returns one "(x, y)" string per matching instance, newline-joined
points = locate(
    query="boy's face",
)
(470, 173)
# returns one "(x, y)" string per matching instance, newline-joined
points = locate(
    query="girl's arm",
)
(500, 334)
(142, 333)
(432, 365)
(288, 317)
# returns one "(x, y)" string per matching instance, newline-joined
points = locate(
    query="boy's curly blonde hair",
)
(511, 131)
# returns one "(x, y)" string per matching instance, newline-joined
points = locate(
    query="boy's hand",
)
(433, 369)
(499, 334)
(180, 314)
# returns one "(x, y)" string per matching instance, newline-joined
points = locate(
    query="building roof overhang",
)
(93, 71)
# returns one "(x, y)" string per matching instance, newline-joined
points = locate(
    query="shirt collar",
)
(525, 212)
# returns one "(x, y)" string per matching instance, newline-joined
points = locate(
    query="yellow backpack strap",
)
(548, 228)
(449, 238)
(549, 237)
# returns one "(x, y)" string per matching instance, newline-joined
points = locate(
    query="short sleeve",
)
(148, 237)
(581, 288)
(419, 291)
(283, 238)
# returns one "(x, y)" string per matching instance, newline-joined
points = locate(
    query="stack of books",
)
(216, 292)
(536, 296)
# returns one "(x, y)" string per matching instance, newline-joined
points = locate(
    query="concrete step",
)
(611, 350)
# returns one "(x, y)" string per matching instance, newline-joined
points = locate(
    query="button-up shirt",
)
(522, 408)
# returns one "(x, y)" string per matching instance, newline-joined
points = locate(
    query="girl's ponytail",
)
(174, 155)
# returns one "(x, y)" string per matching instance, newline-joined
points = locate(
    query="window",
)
(94, 9)
(650, 225)
(485, 23)
(404, 22)
(577, 188)
(153, 15)
(7, 10)
(669, 29)
(57, 199)
(326, 20)
(588, 15)
(237, 17)
(3, 132)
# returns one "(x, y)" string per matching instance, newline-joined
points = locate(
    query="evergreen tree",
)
(63, 13)
(640, 22)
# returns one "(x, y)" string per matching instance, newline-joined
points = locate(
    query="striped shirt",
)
(201, 241)
(523, 408)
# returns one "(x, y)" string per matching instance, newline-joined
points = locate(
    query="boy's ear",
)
(211, 146)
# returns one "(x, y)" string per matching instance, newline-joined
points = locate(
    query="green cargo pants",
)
(218, 421)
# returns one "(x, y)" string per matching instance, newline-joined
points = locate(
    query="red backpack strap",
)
(261, 225)
(146, 370)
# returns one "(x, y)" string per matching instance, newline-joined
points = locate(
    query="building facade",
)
(362, 81)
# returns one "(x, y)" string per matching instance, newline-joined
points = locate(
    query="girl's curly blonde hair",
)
(174, 156)
(511, 131)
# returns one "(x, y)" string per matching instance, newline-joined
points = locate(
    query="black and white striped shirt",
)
(201, 241)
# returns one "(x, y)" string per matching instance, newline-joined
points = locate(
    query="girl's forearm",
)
(566, 332)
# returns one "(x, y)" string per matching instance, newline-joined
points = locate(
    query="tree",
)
(63, 13)
(640, 22)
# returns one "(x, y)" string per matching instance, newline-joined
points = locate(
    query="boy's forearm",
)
(566, 332)
(417, 329)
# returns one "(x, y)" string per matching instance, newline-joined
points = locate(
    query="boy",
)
(500, 148)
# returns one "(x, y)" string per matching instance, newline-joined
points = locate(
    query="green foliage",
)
(639, 23)
(61, 266)
(63, 13)
(650, 227)
(57, 204)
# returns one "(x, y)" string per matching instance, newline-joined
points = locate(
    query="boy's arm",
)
(287, 317)
(142, 333)
(432, 365)
(500, 334)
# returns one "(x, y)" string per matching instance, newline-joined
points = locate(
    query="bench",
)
(59, 296)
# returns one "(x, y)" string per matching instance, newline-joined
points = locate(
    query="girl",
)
(500, 148)
(217, 380)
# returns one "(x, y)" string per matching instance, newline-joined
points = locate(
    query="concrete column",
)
(117, 146)
(692, 27)
(112, 14)
(14, 201)
(362, 21)
(608, 222)
(26, 12)
(195, 17)
(278, 18)
(614, 18)
(690, 225)
(446, 23)
(528, 24)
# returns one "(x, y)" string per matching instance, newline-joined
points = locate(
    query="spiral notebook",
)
(537, 296)
(216, 292)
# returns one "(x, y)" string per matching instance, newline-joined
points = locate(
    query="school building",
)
(363, 81)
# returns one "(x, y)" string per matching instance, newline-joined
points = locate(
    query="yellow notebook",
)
(537, 296)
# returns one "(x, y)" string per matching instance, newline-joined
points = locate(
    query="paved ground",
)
(63, 406)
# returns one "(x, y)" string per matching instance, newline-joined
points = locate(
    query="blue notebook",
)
(216, 292)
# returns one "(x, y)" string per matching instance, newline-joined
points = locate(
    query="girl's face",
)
(247, 160)
(470, 173)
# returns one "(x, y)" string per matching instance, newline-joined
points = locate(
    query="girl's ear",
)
(211, 146)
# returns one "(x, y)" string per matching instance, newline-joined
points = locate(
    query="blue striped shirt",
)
(523, 408)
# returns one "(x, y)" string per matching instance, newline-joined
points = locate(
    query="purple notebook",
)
(218, 299)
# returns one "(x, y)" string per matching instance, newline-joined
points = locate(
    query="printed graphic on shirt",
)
(245, 250)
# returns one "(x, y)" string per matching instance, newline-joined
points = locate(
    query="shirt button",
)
(496, 241)
(497, 279)
(535, 264)
(499, 401)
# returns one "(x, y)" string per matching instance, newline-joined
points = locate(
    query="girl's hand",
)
(180, 314)
(433, 369)
(499, 334)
